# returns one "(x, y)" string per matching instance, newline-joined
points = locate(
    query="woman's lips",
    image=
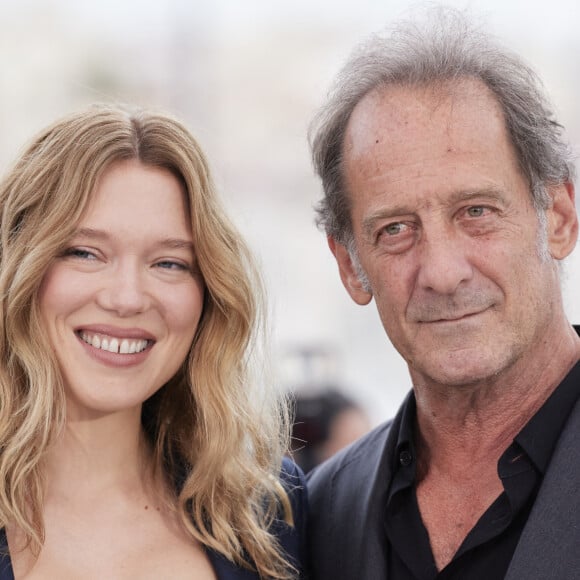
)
(114, 344)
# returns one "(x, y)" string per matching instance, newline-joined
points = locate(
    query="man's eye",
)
(394, 229)
(476, 211)
(396, 237)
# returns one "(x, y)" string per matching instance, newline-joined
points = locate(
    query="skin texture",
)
(447, 234)
(465, 279)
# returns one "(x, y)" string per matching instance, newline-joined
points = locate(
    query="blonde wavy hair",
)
(217, 440)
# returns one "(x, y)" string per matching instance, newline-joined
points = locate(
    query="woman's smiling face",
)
(121, 305)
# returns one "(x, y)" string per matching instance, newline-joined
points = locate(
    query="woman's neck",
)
(97, 453)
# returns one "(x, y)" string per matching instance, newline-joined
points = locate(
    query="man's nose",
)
(444, 262)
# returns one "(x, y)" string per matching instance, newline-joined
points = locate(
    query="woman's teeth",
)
(116, 345)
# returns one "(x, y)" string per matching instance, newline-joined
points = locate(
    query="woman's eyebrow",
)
(176, 244)
(173, 243)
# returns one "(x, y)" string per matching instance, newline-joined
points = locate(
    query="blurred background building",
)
(246, 77)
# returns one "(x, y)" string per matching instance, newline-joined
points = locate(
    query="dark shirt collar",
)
(405, 439)
(540, 435)
(488, 548)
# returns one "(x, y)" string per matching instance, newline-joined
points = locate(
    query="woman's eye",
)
(171, 265)
(80, 253)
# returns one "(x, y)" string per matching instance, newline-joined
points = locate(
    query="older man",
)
(449, 200)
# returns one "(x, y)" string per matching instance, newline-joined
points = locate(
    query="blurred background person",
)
(324, 423)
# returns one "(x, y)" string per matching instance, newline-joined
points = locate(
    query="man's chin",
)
(466, 368)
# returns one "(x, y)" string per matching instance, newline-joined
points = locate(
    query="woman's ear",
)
(562, 221)
(348, 273)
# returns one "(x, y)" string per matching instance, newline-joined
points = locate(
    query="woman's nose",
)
(125, 291)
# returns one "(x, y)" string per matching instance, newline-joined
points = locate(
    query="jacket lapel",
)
(371, 524)
(226, 570)
(352, 538)
(549, 547)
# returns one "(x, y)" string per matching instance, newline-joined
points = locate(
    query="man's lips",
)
(451, 317)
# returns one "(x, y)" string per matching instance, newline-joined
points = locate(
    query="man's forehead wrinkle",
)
(366, 141)
(402, 103)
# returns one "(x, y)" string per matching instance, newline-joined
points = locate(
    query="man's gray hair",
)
(444, 48)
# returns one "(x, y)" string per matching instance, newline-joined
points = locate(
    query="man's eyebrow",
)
(369, 221)
(100, 235)
(489, 193)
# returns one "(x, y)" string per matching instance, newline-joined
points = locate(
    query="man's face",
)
(461, 270)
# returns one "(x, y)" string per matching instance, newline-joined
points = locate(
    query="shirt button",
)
(405, 458)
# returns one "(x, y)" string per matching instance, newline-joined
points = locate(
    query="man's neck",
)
(457, 426)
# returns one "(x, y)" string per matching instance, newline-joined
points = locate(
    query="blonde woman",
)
(132, 443)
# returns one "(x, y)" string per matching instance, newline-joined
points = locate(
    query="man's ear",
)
(562, 221)
(348, 273)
